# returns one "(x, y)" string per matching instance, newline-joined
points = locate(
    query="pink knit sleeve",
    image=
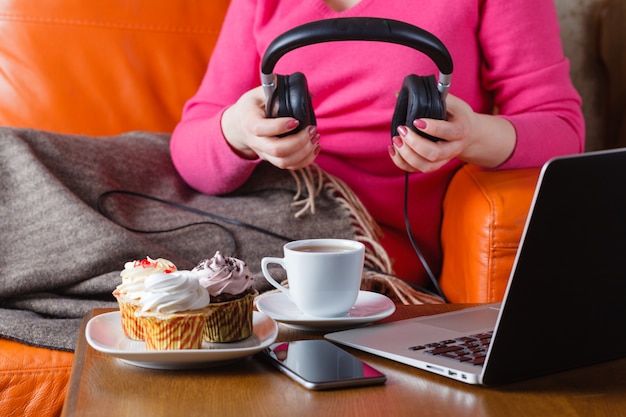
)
(199, 150)
(526, 69)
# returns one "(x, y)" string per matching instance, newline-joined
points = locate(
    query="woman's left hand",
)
(485, 140)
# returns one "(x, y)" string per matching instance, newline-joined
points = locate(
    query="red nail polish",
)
(392, 151)
(402, 130)
(292, 124)
(419, 123)
(397, 141)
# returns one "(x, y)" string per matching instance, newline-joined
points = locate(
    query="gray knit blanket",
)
(74, 209)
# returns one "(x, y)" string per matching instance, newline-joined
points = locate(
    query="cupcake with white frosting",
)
(131, 289)
(173, 311)
(230, 285)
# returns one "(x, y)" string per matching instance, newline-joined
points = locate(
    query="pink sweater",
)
(507, 54)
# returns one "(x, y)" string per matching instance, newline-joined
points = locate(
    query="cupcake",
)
(173, 311)
(230, 286)
(131, 289)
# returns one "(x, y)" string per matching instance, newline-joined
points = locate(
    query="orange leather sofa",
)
(111, 66)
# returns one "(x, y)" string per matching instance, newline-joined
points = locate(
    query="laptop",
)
(565, 303)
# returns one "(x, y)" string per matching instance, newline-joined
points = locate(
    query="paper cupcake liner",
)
(229, 321)
(173, 331)
(131, 326)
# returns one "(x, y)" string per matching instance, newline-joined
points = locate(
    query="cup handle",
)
(266, 273)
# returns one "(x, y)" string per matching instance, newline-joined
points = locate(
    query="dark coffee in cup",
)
(322, 248)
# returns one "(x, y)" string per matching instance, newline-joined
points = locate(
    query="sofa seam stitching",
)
(106, 24)
(31, 373)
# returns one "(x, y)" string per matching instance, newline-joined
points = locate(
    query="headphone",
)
(288, 95)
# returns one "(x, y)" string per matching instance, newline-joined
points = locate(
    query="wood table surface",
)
(101, 385)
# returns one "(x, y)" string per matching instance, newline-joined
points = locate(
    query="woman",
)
(511, 105)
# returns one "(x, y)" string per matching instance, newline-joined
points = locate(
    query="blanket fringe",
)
(310, 182)
(396, 289)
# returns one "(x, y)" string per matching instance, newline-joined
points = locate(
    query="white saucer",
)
(369, 307)
(104, 333)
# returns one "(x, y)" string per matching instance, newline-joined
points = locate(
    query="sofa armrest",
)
(484, 216)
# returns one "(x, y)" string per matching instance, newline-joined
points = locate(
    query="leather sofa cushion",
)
(58, 58)
(33, 381)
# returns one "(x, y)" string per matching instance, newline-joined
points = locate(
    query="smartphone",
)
(320, 364)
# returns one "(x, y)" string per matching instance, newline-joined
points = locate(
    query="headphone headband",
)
(357, 29)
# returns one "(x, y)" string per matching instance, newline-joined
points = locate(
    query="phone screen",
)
(319, 364)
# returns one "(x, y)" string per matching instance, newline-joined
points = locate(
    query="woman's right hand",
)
(252, 135)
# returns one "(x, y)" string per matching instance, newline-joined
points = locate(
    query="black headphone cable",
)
(106, 194)
(434, 281)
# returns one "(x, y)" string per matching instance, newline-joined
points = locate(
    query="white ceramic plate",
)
(104, 333)
(369, 307)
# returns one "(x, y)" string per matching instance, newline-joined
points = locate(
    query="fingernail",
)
(402, 130)
(318, 149)
(392, 151)
(419, 123)
(292, 124)
(312, 131)
(397, 141)
(315, 139)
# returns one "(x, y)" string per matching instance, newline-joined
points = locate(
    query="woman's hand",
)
(480, 139)
(252, 135)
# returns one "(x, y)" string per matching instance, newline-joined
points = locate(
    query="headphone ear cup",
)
(291, 98)
(400, 112)
(418, 98)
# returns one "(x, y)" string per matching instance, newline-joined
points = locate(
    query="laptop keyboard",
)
(468, 349)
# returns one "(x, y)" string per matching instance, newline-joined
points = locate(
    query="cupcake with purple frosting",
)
(230, 286)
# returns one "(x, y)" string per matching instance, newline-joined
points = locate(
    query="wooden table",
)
(104, 386)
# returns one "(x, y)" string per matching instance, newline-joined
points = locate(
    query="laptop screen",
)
(568, 289)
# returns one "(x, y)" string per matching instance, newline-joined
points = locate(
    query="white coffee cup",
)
(324, 274)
